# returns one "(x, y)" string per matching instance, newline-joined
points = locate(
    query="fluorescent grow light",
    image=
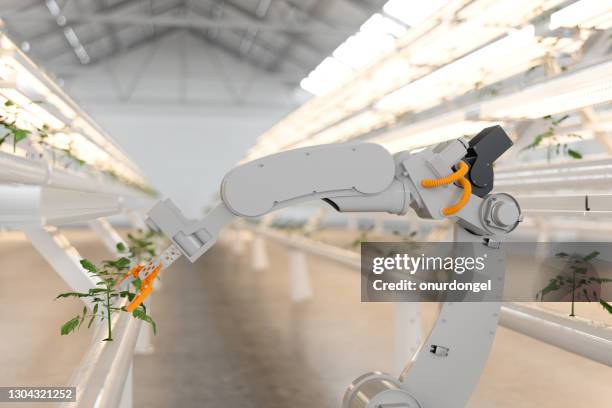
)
(584, 14)
(431, 132)
(449, 33)
(587, 87)
(376, 37)
(328, 75)
(24, 103)
(502, 58)
(412, 12)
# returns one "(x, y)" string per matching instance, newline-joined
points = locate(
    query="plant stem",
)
(108, 315)
(573, 292)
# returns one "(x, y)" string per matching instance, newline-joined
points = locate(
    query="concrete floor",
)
(230, 336)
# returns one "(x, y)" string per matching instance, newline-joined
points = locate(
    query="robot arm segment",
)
(280, 180)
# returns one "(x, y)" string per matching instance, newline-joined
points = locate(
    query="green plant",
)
(8, 120)
(140, 247)
(577, 283)
(106, 297)
(555, 145)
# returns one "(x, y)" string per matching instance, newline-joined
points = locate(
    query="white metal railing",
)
(580, 336)
(103, 374)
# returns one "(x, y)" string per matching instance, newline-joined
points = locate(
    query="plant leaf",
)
(590, 256)
(606, 306)
(137, 283)
(142, 315)
(70, 325)
(574, 154)
(87, 264)
(71, 294)
(93, 291)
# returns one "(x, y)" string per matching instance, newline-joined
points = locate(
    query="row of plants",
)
(15, 134)
(119, 281)
(556, 143)
(576, 283)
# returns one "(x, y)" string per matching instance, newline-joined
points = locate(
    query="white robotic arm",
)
(350, 177)
(366, 178)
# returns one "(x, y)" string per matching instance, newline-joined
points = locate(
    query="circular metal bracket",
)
(377, 390)
(500, 213)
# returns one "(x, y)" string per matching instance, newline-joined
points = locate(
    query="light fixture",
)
(33, 107)
(451, 32)
(412, 12)
(513, 53)
(328, 75)
(376, 37)
(431, 131)
(587, 87)
(585, 14)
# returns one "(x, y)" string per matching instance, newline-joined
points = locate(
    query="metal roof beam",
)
(176, 22)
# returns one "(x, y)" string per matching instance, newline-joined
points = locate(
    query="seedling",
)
(8, 120)
(9, 117)
(111, 275)
(577, 284)
(555, 146)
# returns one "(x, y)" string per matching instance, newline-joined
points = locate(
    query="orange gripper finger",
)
(137, 301)
(133, 272)
(146, 289)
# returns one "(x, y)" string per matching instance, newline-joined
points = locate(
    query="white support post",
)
(238, 242)
(107, 234)
(62, 256)
(315, 221)
(260, 254)
(379, 225)
(352, 223)
(408, 333)
(441, 232)
(136, 220)
(590, 120)
(127, 400)
(299, 279)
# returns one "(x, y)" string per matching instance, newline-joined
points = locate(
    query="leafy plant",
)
(45, 132)
(8, 120)
(555, 144)
(106, 297)
(140, 246)
(578, 282)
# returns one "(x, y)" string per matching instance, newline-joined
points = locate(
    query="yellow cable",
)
(465, 197)
(462, 171)
(459, 176)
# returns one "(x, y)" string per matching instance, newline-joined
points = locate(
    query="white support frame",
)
(109, 236)
(586, 338)
(62, 256)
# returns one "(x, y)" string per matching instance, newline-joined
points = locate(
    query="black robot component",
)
(484, 149)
